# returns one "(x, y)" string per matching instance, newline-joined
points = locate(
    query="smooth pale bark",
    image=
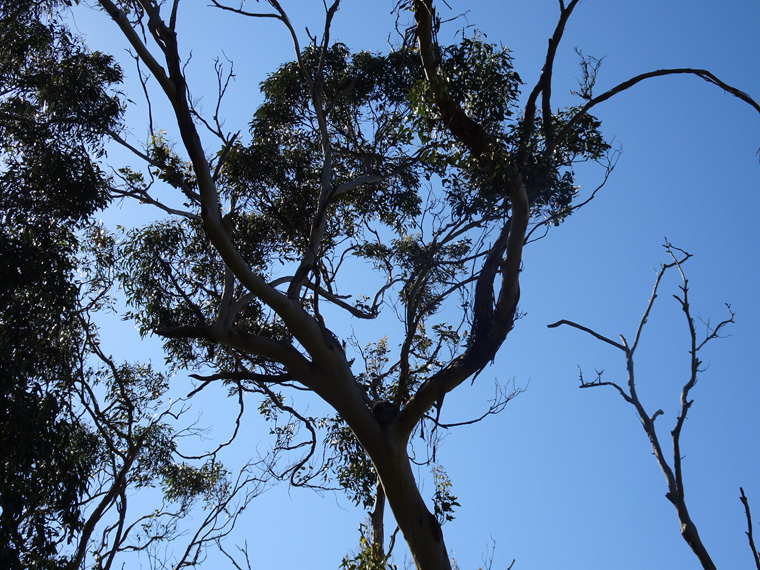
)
(418, 525)
(386, 446)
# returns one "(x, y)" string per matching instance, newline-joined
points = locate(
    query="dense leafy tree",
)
(54, 111)
(416, 170)
(76, 429)
(248, 277)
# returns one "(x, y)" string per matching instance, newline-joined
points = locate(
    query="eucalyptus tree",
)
(249, 276)
(245, 278)
(54, 110)
(78, 430)
(418, 171)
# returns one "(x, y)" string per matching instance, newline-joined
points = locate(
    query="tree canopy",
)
(55, 109)
(361, 242)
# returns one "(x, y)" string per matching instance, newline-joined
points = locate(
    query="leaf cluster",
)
(280, 175)
(173, 277)
(56, 103)
(351, 464)
(367, 557)
(444, 502)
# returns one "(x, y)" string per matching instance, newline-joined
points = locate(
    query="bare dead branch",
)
(589, 331)
(745, 502)
(496, 405)
(671, 471)
(599, 382)
(221, 517)
(590, 69)
(625, 85)
(663, 269)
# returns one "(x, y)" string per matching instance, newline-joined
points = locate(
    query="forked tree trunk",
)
(386, 445)
(418, 525)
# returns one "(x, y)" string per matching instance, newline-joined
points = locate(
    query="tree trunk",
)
(418, 525)
(386, 445)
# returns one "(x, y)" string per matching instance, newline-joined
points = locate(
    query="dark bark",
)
(749, 533)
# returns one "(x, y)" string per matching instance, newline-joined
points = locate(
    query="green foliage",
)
(444, 502)
(169, 167)
(425, 268)
(380, 121)
(47, 459)
(54, 109)
(279, 176)
(552, 180)
(381, 144)
(479, 77)
(167, 270)
(173, 277)
(351, 464)
(184, 482)
(367, 557)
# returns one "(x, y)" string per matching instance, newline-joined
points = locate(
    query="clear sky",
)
(564, 478)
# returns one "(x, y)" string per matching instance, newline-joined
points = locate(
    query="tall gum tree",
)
(420, 163)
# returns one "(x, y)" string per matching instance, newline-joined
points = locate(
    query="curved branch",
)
(492, 323)
(140, 48)
(493, 319)
(544, 84)
(589, 331)
(465, 129)
(750, 538)
(625, 85)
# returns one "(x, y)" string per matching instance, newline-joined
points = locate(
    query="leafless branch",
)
(243, 550)
(660, 274)
(599, 382)
(745, 502)
(222, 516)
(297, 472)
(590, 68)
(672, 470)
(140, 48)
(496, 405)
(589, 331)
(701, 73)
(544, 84)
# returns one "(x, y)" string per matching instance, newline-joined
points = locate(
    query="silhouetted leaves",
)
(55, 107)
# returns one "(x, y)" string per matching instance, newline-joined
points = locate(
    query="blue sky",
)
(564, 478)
